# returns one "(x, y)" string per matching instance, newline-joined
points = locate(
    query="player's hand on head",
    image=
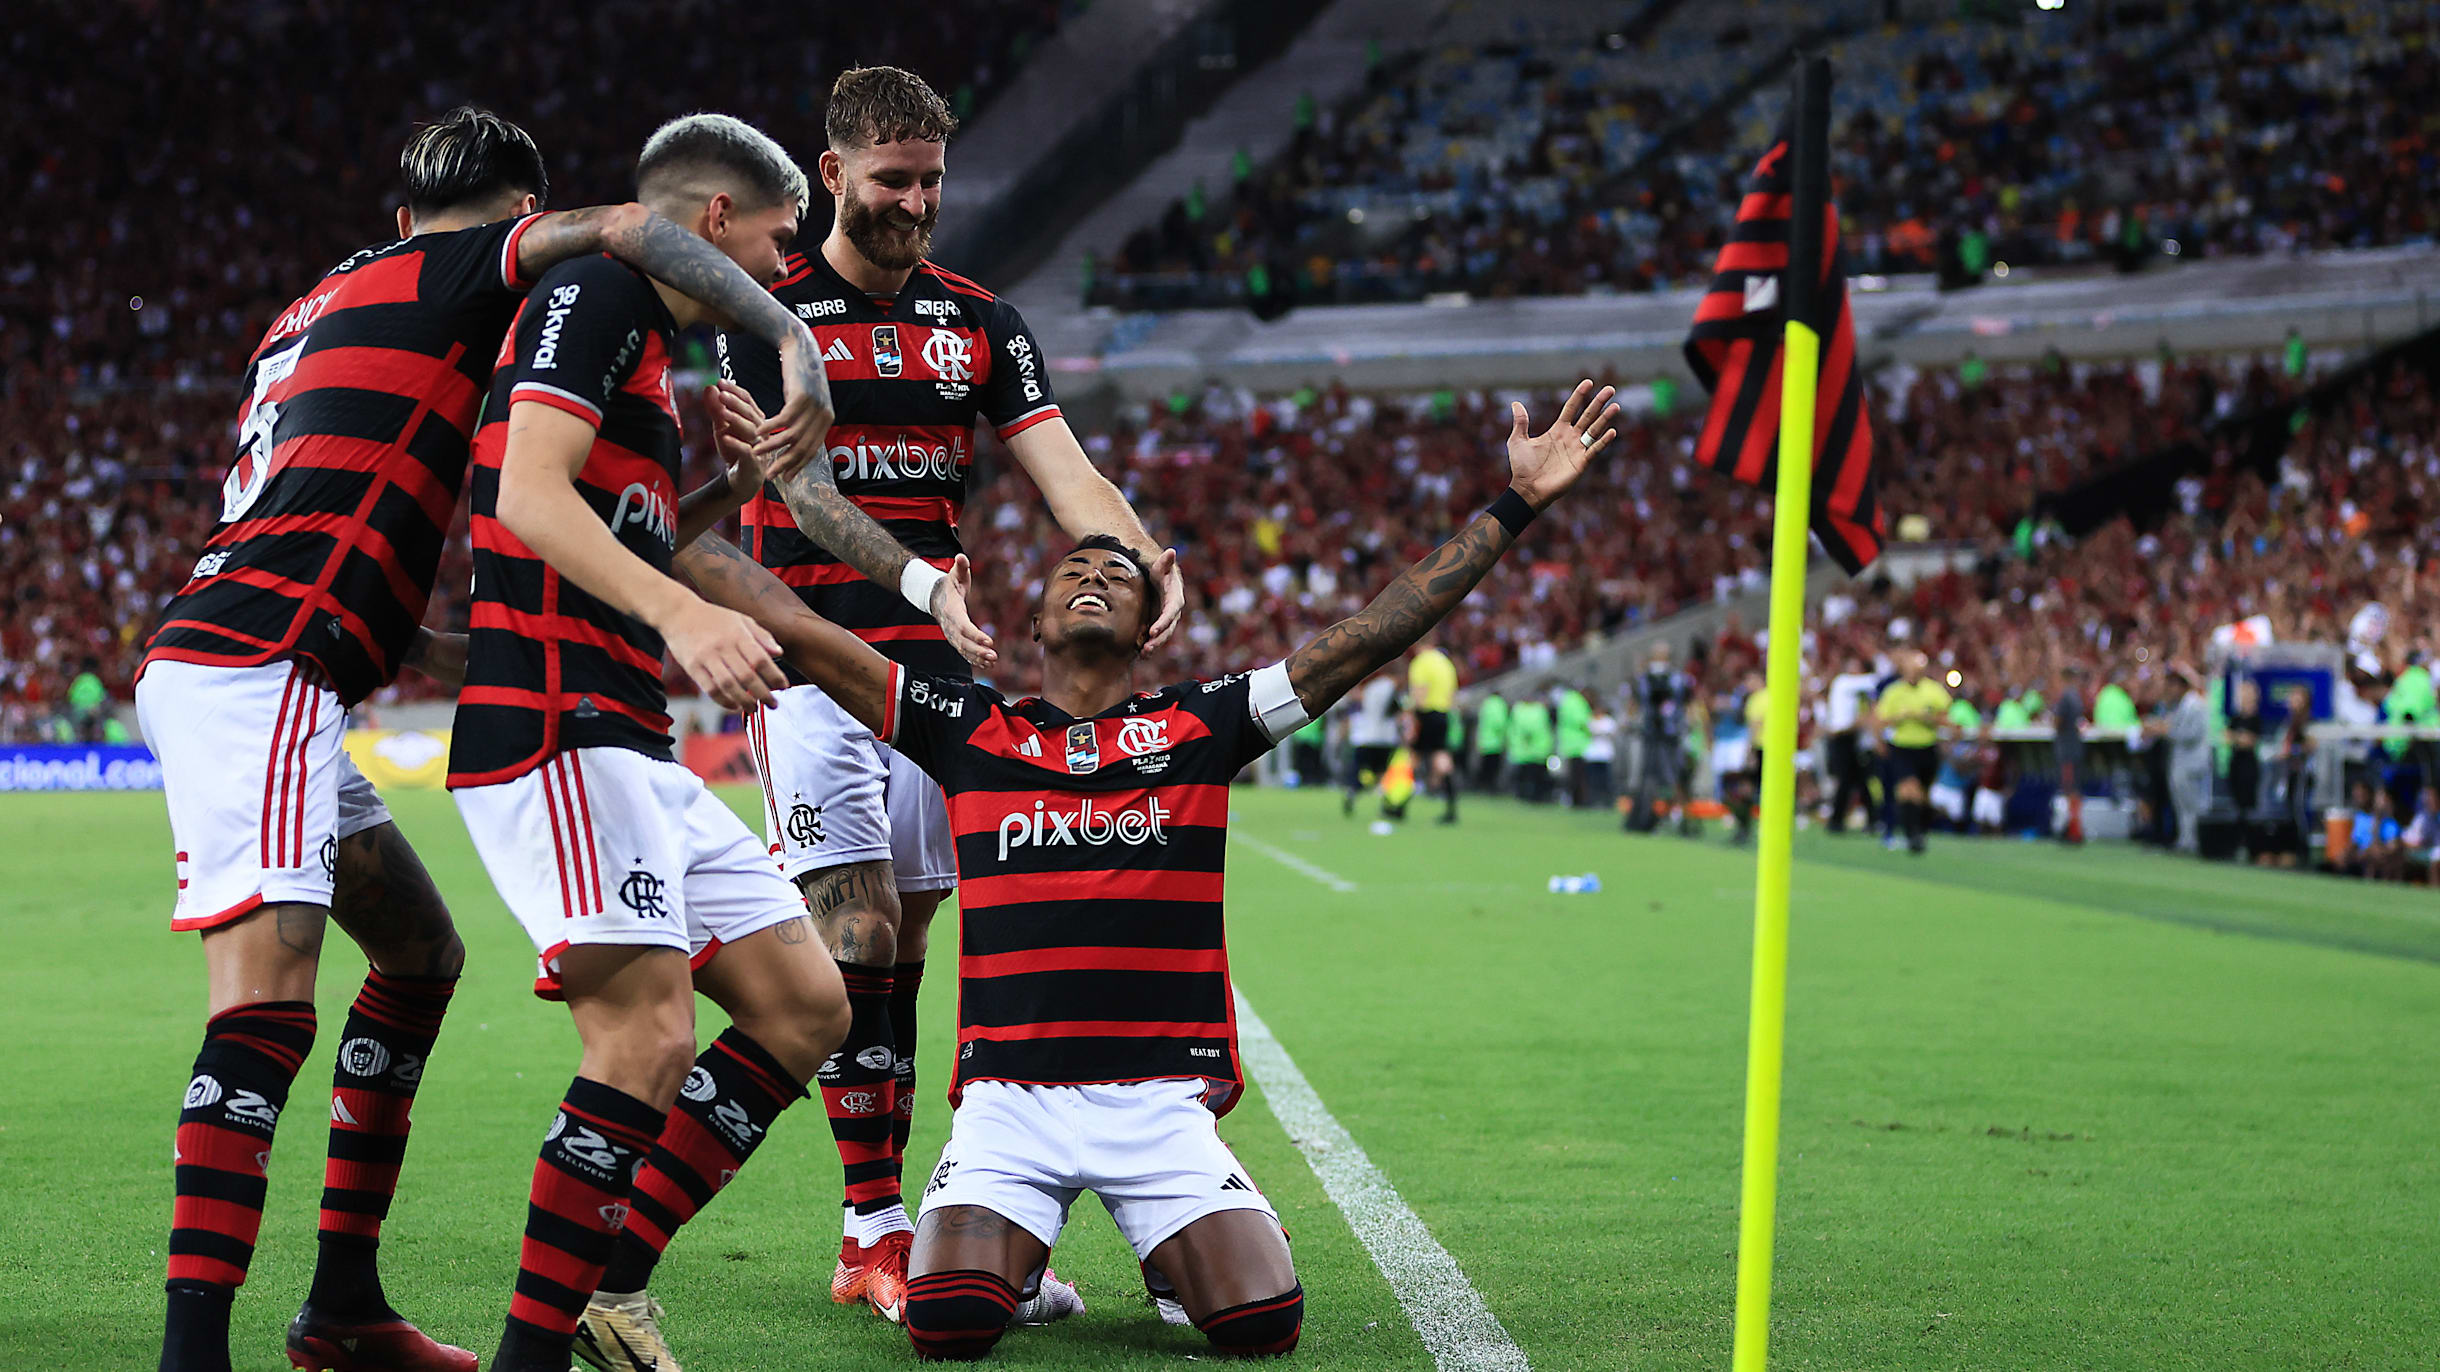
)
(949, 607)
(1542, 467)
(794, 436)
(733, 659)
(1173, 598)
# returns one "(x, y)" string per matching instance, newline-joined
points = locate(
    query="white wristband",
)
(917, 581)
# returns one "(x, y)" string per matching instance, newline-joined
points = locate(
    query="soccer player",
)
(1096, 1041)
(1431, 692)
(1915, 710)
(918, 354)
(638, 887)
(352, 445)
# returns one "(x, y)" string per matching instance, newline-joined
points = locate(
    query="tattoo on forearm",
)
(1334, 660)
(695, 269)
(721, 573)
(830, 519)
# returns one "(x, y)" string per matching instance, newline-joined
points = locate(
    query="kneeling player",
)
(638, 886)
(1096, 1039)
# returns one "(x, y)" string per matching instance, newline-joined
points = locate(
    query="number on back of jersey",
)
(257, 435)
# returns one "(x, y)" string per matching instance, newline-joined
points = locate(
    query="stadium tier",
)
(1586, 153)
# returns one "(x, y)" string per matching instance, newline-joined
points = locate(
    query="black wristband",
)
(1512, 512)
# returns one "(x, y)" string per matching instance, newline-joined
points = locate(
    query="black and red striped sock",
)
(957, 1316)
(572, 1219)
(859, 1092)
(382, 1050)
(250, 1057)
(906, 979)
(723, 1112)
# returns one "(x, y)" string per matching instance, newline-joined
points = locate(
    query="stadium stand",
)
(1562, 160)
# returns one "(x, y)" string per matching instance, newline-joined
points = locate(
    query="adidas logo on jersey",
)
(1047, 828)
(838, 351)
(1029, 747)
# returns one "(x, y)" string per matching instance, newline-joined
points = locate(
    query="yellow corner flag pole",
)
(1783, 682)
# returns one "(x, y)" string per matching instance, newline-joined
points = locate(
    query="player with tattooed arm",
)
(1096, 1040)
(352, 439)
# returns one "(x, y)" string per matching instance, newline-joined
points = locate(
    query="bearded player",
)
(1096, 1038)
(352, 447)
(917, 354)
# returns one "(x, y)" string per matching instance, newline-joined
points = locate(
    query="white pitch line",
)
(1459, 1329)
(1294, 863)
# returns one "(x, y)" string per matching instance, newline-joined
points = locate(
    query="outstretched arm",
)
(1544, 466)
(694, 268)
(841, 664)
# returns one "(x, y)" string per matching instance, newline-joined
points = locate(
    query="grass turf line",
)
(2032, 1121)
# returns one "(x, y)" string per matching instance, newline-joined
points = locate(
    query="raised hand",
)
(736, 428)
(949, 607)
(1543, 466)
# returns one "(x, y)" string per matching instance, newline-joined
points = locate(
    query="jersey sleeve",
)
(578, 336)
(929, 718)
(1017, 395)
(477, 262)
(1251, 712)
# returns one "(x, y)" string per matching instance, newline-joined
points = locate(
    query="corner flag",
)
(1734, 350)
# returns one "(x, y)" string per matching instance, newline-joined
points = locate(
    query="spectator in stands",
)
(2421, 841)
(2374, 850)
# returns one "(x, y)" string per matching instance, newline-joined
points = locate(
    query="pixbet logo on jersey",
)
(1044, 827)
(640, 504)
(901, 459)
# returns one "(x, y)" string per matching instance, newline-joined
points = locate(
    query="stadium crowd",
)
(2090, 133)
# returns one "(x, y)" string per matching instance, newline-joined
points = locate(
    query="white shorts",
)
(1949, 800)
(259, 790)
(833, 794)
(606, 845)
(1990, 807)
(1149, 1149)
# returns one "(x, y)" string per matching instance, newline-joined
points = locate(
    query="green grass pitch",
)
(2044, 1109)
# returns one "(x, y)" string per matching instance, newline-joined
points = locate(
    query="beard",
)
(880, 241)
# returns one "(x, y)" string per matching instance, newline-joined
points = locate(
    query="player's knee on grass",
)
(957, 1316)
(1257, 1329)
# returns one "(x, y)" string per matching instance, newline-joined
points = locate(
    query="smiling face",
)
(888, 197)
(1094, 598)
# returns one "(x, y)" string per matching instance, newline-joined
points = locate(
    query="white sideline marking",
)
(1294, 863)
(1459, 1329)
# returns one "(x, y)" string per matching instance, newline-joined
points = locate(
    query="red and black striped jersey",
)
(907, 378)
(351, 451)
(549, 668)
(1089, 858)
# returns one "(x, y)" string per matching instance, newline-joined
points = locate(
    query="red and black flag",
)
(1734, 350)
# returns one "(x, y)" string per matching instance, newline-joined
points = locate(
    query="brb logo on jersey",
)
(949, 355)
(886, 358)
(1087, 824)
